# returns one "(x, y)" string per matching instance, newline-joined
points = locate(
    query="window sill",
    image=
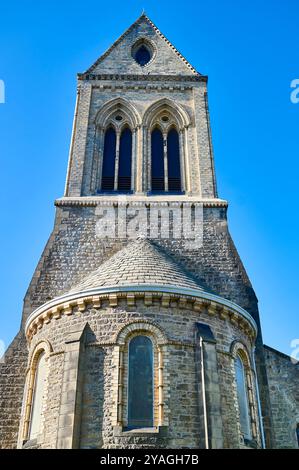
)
(165, 193)
(251, 443)
(122, 431)
(112, 192)
(30, 444)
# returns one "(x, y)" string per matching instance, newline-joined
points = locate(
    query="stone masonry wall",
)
(76, 251)
(190, 96)
(119, 60)
(12, 381)
(99, 397)
(283, 378)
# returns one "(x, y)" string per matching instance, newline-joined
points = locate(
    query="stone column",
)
(211, 432)
(188, 181)
(116, 161)
(140, 159)
(165, 162)
(68, 436)
(134, 160)
(182, 162)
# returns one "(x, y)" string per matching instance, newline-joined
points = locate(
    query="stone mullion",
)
(160, 387)
(116, 161)
(251, 400)
(29, 400)
(165, 162)
(186, 160)
(182, 162)
(139, 159)
(148, 161)
(120, 387)
(134, 158)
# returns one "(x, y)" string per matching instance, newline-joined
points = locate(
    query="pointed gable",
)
(166, 60)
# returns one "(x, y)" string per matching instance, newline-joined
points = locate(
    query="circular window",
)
(165, 118)
(118, 118)
(142, 52)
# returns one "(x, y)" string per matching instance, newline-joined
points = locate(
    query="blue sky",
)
(250, 51)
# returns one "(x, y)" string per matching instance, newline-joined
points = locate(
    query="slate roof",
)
(141, 262)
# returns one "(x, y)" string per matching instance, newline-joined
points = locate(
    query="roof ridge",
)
(127, 31)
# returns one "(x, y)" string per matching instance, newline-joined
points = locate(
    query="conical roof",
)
(140, 263)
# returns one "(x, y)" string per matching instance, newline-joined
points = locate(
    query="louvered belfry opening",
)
(111, 172)
(173, 160)
(125, 161)
(157, 151)
(108, 170)
(165, 152)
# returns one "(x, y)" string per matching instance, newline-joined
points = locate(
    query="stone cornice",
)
(186, 298)
(94, 201)
(148, 78)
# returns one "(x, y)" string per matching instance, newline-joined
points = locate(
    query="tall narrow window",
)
(157, 148)
(242, 398)
(140, 386)
(173, 159)
(297, 434)
(38, 397)
(125, 160)
(108, 170)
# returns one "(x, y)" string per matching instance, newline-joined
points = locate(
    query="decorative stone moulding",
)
(91, 201)
(167, 296)
(134, 77)
(149, 45)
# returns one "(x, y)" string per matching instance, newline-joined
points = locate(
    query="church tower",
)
(140, 326)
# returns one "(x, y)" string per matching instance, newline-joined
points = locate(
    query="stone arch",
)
(140, 326)
(43, 346)
(175, 117)
(108, 116)
(118, 105)
(166, 105)
(237, 347)
(159, 341)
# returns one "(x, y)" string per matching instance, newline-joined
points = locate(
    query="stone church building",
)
(152, 341)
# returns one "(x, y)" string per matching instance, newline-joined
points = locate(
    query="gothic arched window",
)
(125, 160)
(108, 170)
(157, 147)
(242, 394)
(38, 396)
(173, 160)
(140, 384)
